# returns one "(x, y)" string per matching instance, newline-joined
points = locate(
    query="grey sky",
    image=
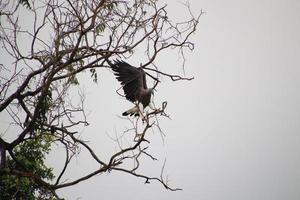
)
(234, 132)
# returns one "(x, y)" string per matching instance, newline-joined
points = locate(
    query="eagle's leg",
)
(151, 106)
(141, 110)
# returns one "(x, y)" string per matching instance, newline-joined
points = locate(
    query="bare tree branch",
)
(66, 39)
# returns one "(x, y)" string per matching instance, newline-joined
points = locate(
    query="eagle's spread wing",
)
(132, 79)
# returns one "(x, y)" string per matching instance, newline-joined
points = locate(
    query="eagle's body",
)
(134, 85)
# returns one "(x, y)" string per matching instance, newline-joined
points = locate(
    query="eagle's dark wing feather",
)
(131, 78)
(144, 79)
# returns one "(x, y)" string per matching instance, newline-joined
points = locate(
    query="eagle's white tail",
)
(131, 111)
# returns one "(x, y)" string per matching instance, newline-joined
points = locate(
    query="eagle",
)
(133, 81)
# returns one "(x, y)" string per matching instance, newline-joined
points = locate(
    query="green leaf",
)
(100, 28)
(31, 154)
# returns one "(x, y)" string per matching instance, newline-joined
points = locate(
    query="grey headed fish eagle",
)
(133, 81)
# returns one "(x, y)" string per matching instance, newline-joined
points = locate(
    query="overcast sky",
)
(234, 132)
